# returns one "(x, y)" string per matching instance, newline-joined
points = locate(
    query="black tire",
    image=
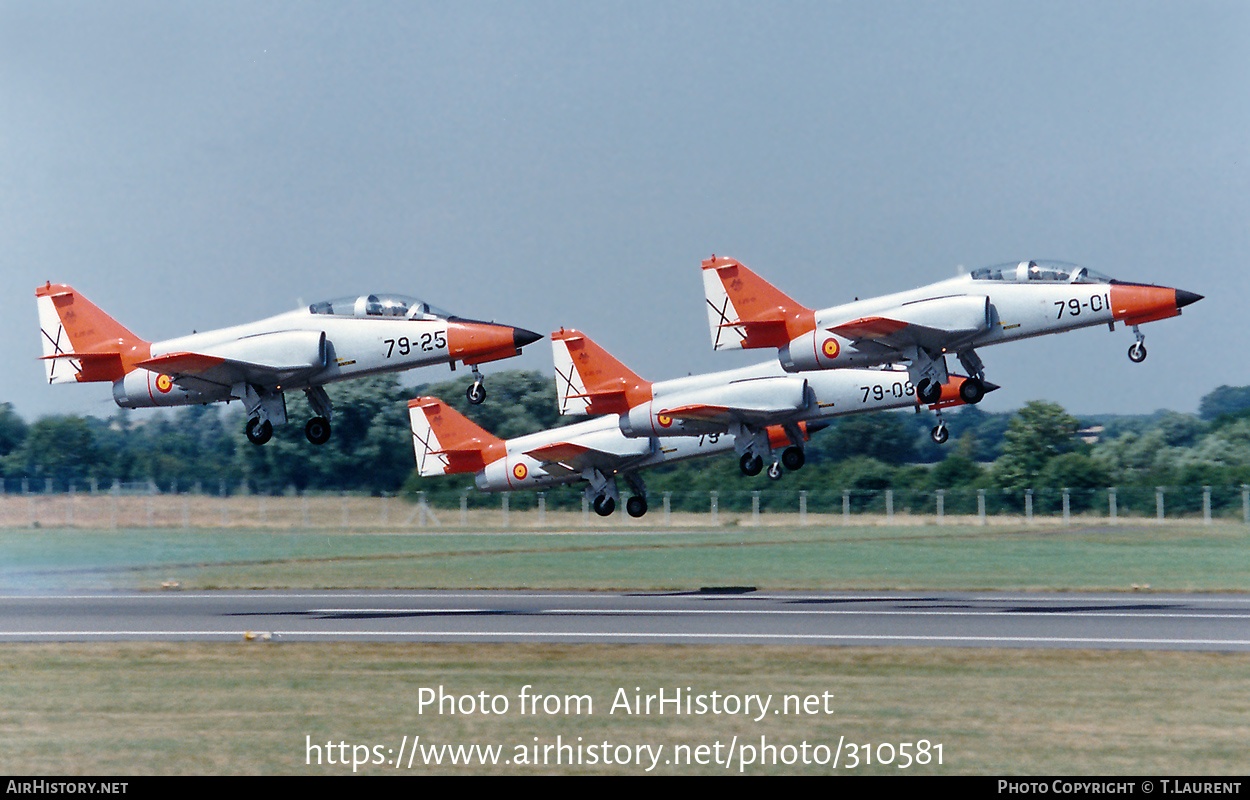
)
(1137, 352)
(793, 457)
(636, 506)
(750, 464)
(929, 391)
(318, 430)
(940, 434)
(476, 394)
(775, 471)
(604, 505)
(259, 432)
(971, 391)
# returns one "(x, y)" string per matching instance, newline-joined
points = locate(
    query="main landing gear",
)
(604, 493)
(792, 458)
(265, 409)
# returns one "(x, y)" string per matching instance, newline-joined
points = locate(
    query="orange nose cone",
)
(479, 342)
(1136, 303)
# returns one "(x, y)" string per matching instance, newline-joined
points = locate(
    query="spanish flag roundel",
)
(519, 472)
(830, 348)
(164, 383)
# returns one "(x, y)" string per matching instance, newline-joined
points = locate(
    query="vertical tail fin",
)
(589, 380)
(81, 342)
(446, 442)
(745, 311)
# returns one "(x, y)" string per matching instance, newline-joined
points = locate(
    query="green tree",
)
(1037, 433)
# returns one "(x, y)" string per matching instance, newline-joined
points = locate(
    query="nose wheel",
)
(939, 433)
(477, 392)
(1137, 351)
(774, 471)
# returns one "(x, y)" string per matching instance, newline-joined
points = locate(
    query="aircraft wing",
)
(269, 360)
(934, 323)
(756, 402)
(573, 457)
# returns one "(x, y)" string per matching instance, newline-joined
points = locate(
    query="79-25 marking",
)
(426, 343)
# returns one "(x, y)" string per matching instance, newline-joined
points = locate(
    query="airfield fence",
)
(30, 504)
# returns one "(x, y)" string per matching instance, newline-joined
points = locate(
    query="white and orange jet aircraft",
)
(922, 326)
(594, 451)
(259, 362)
(748, 404)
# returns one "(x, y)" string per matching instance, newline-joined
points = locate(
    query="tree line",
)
(1038, 446)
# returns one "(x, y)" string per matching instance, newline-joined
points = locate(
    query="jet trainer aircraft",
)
(447, 443)
(921, 326)
(749, 403)
(260, 361)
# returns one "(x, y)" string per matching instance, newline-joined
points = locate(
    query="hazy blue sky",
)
(195, 165)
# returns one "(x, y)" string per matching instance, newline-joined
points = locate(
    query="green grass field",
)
(253, 708)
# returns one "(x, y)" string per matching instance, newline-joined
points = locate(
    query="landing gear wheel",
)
(636, 505)
(774, 471)
(971, 391)
(604, 505)
(1137, 352)
(929, 391)
(259, 432)
(318, 430)
(476, 393)
(750, 464)
(793, 458)
(939, 433)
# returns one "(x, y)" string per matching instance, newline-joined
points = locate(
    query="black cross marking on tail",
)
(726, 323)
(425, 447)
(57, 350)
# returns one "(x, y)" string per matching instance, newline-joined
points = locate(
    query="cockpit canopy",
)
(379, 305)
(1040, 271)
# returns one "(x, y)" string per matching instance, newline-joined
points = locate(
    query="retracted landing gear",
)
(1137, 350)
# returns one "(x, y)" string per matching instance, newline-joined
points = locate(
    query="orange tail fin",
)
(589, 380)
(81, 342)
(446, 442)
(745, 311)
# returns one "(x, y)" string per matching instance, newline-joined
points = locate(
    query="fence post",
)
(668, 514)
(803, 508)
(1245, 504)
(889, 506)
(421, 515)
(755, 507)
(981, 506)
(464, 508)
(1067, 509)
(1028, 506)
(1112, 504)
(505, 509)
(542, 509)
(1159, 503)
(941, 505)
(846, 506)
(714, 498)
(1206, 505)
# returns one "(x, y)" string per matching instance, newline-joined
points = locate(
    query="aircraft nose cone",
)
(1184, 298)
(522, 337)
(989, 387)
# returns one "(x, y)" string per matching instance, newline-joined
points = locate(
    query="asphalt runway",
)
(1147, 621)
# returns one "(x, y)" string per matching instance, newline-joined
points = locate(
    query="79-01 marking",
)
(1096, 303)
